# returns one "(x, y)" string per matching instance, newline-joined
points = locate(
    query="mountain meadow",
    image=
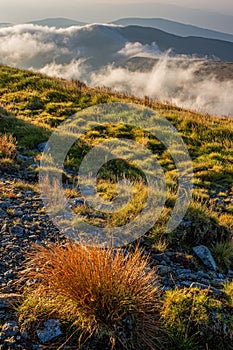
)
(167, 290)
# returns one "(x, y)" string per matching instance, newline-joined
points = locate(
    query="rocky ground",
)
(23, 221)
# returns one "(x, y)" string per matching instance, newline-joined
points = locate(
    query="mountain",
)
(2, 25)
(99, 45)
(58, 22)
(176, 28)
(214, 20)
(180, 45)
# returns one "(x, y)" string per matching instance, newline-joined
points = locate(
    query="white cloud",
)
(88, 53)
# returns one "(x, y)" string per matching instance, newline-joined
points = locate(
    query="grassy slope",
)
(32, 105)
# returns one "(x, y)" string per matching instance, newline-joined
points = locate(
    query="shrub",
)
(98, 293)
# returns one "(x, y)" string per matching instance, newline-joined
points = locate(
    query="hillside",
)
(187, 46)
(173, 27)
(32, 105)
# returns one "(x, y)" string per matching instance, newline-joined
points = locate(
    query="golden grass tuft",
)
(7, 146)
(96, 293)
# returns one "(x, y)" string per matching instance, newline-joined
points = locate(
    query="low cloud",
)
(139, 50)
(171, 82)
(97, 54)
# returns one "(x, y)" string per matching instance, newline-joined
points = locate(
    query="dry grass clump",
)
(102, 294)
(7, 146)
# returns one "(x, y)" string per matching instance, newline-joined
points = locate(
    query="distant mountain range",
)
(5, 25)
(183, 46)
(176, 28)
(168, 26)
(99, 45)
(58, 22)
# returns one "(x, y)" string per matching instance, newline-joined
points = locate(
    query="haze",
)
(205, 13)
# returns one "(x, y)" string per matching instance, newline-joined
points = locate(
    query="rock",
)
(96, 216)
(163, 270)
(51, 330)
(204, 254)
(18, 213)
(7, 300)
(41, 146)
(10, 328)
(4, 205)
(77, 202)
(24, 158)
(3, 214)
(28, 218)
(17, 231)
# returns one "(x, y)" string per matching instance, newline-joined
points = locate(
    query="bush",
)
(96, 293)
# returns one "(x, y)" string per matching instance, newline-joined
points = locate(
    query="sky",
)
(15, 11)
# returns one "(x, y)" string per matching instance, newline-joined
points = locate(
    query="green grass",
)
(195, 318)
(32, 105)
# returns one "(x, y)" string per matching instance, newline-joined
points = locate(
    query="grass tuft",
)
(95, 293)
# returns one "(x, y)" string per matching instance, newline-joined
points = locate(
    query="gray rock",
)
(203, 275)
(18, 213)
(51, 330)
(10, 329)
(77, 201)
(96, 216)
(163, 270)
(183, 271)
(24, 158)
(4, 205)
(204, 254)
(41, 146)
(27, 218)
(17, 231)
(3, 214)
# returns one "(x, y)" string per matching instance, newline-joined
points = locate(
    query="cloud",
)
(97, 54)
(76, 69)
(139, 50)
(172, 80)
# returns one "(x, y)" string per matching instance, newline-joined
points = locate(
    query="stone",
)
(7, 300)
(10, 329)
(51, 330)
(41, 146)
(27, 218)
(163, 270)
(77, 201)
(4, 205)
(204, 254)
(3, 214)
(18, 213)
(17, 231)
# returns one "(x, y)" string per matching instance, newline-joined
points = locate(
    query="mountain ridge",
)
(174, 27)
(58, 22)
